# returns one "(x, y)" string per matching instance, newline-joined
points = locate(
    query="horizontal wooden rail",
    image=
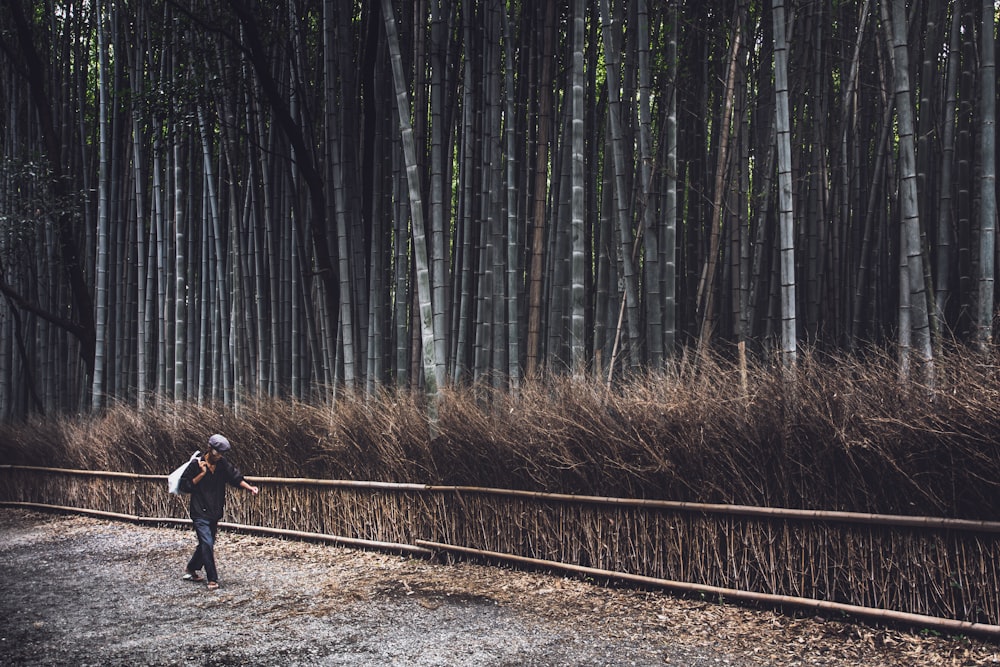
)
(85, 473)
(117, 516)
(884, 615)
(334, 539)
(265, 530)
(783, 513)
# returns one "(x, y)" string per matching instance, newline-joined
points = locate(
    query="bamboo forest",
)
(202, 200)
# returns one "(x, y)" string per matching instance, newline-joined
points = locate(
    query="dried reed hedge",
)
(846, 435)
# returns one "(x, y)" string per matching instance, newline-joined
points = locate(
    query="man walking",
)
(206, 479)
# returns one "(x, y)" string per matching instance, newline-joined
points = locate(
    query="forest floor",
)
(81, 591)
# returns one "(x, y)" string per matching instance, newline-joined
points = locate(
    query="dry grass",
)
(845, 435)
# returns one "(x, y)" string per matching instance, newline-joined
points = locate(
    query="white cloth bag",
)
(174, 478)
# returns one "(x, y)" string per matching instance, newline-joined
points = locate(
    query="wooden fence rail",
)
(930, 571)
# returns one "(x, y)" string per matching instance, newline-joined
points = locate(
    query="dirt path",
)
(78, 591)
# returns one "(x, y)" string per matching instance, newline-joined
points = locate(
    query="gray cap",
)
(219, 443)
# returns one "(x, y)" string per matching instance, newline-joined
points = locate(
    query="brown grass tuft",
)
(845, 435)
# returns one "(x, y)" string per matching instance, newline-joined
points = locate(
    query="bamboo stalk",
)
(920, 620)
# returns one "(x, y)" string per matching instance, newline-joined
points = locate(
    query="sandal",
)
(192, 576)
(213, 585)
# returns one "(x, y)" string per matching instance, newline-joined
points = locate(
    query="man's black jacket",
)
(208, 497)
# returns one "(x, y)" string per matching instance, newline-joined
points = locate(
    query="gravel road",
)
(81, 591)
